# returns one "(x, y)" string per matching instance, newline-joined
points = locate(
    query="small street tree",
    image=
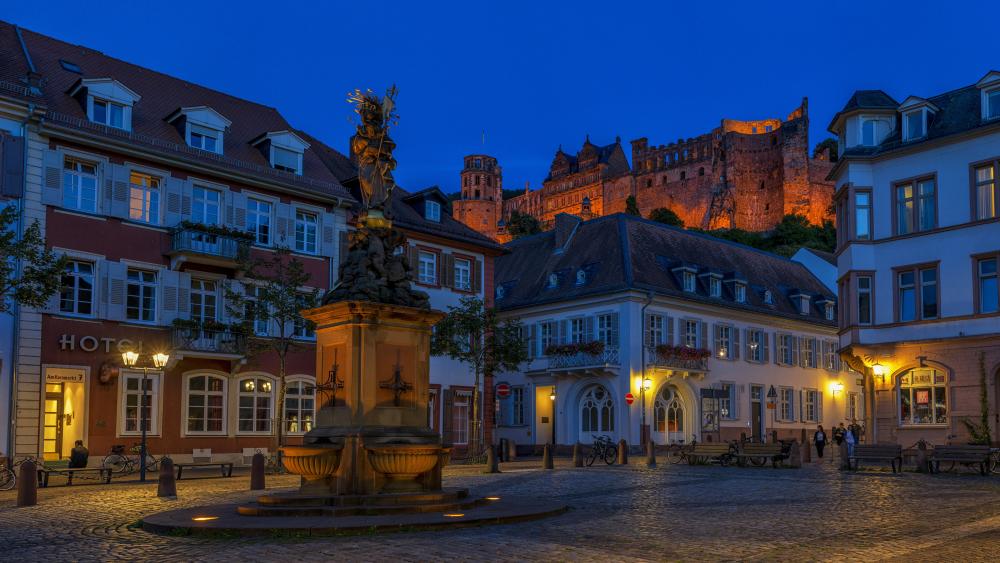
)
(666, 216)
(631, 206)
(41, 269)
(474, 334)
(522, 225)
(272, 292)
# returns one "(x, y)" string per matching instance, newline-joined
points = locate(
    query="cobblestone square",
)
(617, 513)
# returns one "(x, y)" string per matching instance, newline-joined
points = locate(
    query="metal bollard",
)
(511, 450)
(257, 479)
(622, 452)
(166, 486)
(577, 456)
(492, 465)
(922, 459)
(806, 447)
(27, 484)
(795, 455)
(650, 454)
(547, 458)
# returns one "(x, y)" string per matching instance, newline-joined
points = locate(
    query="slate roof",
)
(622, 252)
(823, 255)
(161, 95)
(606, 154)
(958, 111)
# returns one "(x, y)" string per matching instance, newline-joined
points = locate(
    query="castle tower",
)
(481, 204)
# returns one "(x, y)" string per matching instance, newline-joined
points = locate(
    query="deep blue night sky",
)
(536, 75)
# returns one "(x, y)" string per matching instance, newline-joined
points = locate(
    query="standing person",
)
(78, 456)
(851, 440)
(838, 434)
(855, 429)
(820, 439)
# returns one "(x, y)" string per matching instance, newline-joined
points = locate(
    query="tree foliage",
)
(631, 207)
(980, 432)
(793, 232)
(474, 334)
(271, 291)
(522, 225)
(41, 269)
(666, 216)
(828, 143)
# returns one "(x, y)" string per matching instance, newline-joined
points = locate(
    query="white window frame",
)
(432, 210)
(547, 335)
(74, 178)
(691, 339)
(714, 287)
(786, 356)
(258, 381)
(463, 274)
(934, 388)
(460, 434)
(143, 285)
(786, 404)
(147, 193)
(740, 292)
(758, 336)
(206, 298)
(517, 409)
(73, 271)
(261, 218)
(275, 150)
(724, 341)
(577, 330)
(730, 400)
(689, 281)
(656, 329)
(606, 329)
(306, 231)
(991, 96)
(908, 133)
(204, 133)
(302, 329)
(154, 379)
(123, 108)
(185, 404)
(811, 408)
(300, 382)
(427, 267)
(202, 202)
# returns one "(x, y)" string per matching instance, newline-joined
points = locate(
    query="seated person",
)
(78, 456)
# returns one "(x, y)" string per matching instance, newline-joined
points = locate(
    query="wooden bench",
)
(104, 474)
(966, 455)
(774, 452)
(892, 453)
(226, 468)
(709, 451)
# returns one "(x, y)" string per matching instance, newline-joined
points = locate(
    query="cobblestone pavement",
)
(667, 513)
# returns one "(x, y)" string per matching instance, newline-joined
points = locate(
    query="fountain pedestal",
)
(373, 381)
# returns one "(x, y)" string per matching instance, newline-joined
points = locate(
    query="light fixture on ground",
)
(131, 359)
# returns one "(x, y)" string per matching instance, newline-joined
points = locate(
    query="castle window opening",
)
(753, 130)
(649, 183)
(477, 179)
(701, 171)
(767, 128)
(683, 175)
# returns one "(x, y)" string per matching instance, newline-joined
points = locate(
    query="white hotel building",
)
(712, 325)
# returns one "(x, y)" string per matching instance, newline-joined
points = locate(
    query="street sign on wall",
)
(629, 398)
(503, 390)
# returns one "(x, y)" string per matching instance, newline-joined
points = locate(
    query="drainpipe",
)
(642, 386)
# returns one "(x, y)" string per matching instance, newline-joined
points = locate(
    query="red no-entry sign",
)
(503, 390)
(629, 398)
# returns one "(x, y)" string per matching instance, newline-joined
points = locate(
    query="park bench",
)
(225, 467)
(705, 452)
(103, 474)
(758, 454)
(966, 455)
(892, 453)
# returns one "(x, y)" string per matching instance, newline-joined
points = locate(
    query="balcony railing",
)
(209, 341)
(197, 241)
(668, 361)
(607, 358)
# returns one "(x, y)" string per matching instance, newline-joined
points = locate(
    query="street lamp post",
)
(130, 358)
(647, 384)
(552, 397)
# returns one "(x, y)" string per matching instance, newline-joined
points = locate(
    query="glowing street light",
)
(131, 358)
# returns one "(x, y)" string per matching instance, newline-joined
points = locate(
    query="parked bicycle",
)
(995, 461)
(603, 448)
(120, 462)
(678, 452)
(8, 477)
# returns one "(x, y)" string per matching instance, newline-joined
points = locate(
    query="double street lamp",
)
(130, 358)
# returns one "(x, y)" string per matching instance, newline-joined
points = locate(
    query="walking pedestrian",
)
(820, 439)
(851, 440)
(838, 434)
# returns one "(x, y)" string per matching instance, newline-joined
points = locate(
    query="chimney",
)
(565, 226)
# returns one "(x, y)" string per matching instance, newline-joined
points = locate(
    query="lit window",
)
(77, 294)
(300, 406)
(206, 399)
(923, 397)
(305, 232)
(989, 293)
(109, 113)
(255, 405)
(79, 185)
(284, 159)
(259, 220)
(756, 346)
(140, 297)
(987, 192)
(432, 211)
(205, 206)
(915, 211)
(144, 198)
(724, 342)
(463, 274)
(727, 401)
(427, 268)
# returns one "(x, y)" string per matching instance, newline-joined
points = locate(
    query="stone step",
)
(298, 500)
(369, 510)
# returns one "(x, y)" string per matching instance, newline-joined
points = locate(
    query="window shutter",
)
(118, 177)
(614, 329)
(412, 257)
(802, 416)
(735, 345)
(647, 335)
(717, 338)
(169, 280)
(588, 329)
(173, 192)
(563, 331)
(52, 163)
(183, 295)
(734, 404)
(764, 342)
(186, 200)
(240, 206)
(797, 356)
(669, 322)
(12, 175)
(703, 343)
(819, 407)
(477, 276)
(532, 344)
(777, 348)
(448, 279)
(115, 280)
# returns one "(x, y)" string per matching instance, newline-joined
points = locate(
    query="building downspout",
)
(642, 325)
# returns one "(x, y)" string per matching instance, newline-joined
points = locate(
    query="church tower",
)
(481, 204)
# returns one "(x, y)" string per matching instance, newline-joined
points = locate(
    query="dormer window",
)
(202, 127)
(689, 281)
(107, 101)
(914, 125)
(803, 304)
(553, 281)
(581, 277)
(715, 287)
(203, 138)
(768, 297)
(432, 210)
(873, 130)
(740, 293)
(284, 150)
(993, 104)
(828, 310)
(500, 292)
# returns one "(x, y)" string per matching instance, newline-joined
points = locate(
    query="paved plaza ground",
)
(631, 512)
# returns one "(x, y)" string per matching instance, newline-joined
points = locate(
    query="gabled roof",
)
(621, 252)
(432, 192)
(612, 154)
(161, 95)
(862, 100)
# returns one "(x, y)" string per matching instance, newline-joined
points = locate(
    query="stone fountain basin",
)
(403, 460)
(312, 462)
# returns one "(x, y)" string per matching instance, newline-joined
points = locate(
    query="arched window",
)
(206, 403)
(668, 415)
(923, 397)
(597, 412)
(300, 406)
(256, 398)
